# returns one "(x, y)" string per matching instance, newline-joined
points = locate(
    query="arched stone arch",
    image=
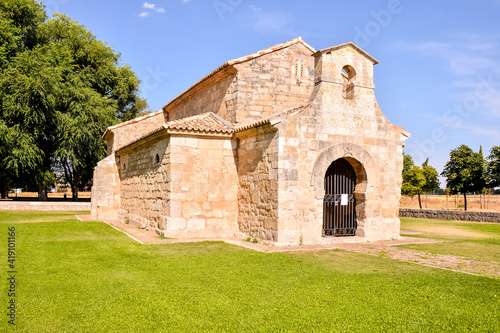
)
(361, 160)
(366, 177)
(348, 76)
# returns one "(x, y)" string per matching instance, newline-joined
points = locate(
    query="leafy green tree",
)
(29, 89)
(464, 172)
(431, 179)
(94, 93)
(493, 167)
(60, 88)
(19, 21)
(413, 178)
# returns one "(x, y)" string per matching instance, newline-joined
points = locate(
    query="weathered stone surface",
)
(286, 113)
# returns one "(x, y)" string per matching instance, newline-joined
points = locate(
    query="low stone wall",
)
(44, 205)
(455, 215)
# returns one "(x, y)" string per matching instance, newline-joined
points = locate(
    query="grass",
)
(87, 277)
(469, 239)
(8, 216)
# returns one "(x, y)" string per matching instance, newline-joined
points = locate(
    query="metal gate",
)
(339, 204)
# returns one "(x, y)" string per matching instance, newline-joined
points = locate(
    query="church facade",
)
(287, 145)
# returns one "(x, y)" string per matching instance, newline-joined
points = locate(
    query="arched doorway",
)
(339, 204)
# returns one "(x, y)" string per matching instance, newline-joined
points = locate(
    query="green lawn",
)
(469, 239)
(87, 277)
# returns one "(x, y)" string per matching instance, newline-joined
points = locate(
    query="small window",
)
(298, 68)
(124, 167)
(157, 159)
(348, 77)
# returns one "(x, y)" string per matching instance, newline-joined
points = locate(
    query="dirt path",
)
(450, 262)
(386, 249)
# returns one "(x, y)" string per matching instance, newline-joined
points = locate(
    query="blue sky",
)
(439, 71)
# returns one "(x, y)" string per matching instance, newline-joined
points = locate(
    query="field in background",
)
(50, 195)
(474, 202)
(480, 241)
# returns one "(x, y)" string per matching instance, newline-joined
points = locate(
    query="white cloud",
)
(254, 8)
(185, 1)
(151, 6)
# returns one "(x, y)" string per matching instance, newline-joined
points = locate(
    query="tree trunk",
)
(465, 201)
(419, 201)
(42, 193)
(74, 186)
(74, 192)
(3, 186)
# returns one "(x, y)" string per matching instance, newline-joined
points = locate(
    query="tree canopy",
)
(464, 172)
(60, 88)
(493, 167)
(417, 180)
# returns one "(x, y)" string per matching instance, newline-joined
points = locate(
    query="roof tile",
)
(205, 122)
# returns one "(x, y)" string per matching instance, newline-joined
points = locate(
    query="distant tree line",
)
(465, 172)
(60, 88)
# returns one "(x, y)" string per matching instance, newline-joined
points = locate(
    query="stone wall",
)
(336, 127)
(106, 190)
(253, 89)
(145, 179)
(216, 94)
(454, 215)
(258, 183)
(204, 187)
(120, 135)
(275, 82)
(44, 205)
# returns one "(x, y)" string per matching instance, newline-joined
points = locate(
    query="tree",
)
(60, 88)
(431, 179)
(493, 167)
(94, 93)
(464, 172)
(29, 89)
(19, 21)
(413, 178)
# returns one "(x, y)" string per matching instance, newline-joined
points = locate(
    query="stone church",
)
(287, 145)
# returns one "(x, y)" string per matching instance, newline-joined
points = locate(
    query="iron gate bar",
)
(338, 219)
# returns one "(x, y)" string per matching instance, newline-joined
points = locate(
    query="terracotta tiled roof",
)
(348, 44)
(243, 59)
(268, 120)
(206, 122)
(270, 50)
(212, 123)
(142, 137)
(132, 121)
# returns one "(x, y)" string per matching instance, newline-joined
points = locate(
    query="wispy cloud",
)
(264, 21)
(480, 131)
(271, 22)
(466, 53)
(150, 8)
(255, 8)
